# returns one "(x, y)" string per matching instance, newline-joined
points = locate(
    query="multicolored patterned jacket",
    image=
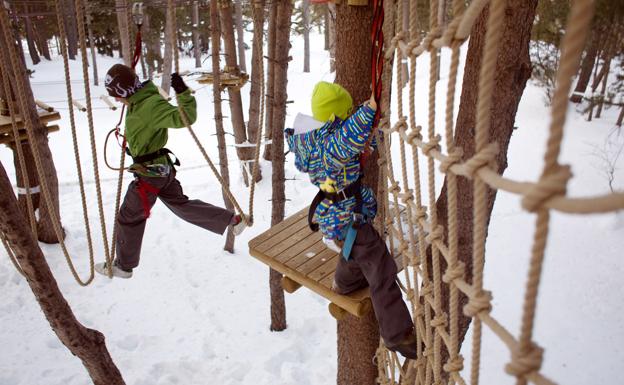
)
(332, 151)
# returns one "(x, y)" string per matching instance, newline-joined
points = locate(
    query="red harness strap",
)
(144, 188)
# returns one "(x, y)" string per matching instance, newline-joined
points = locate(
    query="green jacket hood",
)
(148, 89)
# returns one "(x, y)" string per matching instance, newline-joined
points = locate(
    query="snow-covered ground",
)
(193, 314)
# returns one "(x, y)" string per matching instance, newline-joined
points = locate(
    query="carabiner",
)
(137, 13)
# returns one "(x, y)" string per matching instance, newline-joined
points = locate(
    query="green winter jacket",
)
(150, 116)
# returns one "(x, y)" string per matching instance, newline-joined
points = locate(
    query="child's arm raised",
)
(350, 139)
(166, 115)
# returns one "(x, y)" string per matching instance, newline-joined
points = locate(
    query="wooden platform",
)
(6, 129)
(300, 255)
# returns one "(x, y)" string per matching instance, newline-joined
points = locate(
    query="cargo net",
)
(435, 280)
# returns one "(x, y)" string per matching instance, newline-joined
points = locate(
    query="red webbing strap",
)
(377, 61)
(144, 188)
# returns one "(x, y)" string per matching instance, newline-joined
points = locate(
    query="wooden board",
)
(299, 254)
(8, 138)
(44, 117)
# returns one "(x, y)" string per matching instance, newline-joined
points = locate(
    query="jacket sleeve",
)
(349, 140)
(166, 115)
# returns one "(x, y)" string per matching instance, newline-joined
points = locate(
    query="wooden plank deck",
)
(6, 129)
(300, 255)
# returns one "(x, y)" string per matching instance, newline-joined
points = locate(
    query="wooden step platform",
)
(6, 129)
(301, 256)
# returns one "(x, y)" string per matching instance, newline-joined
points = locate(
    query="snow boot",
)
(407, 347)
(118, 271)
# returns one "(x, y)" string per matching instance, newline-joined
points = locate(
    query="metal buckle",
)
(137, 13)
(359, 218)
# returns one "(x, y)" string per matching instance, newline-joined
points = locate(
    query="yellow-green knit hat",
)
(330, 100)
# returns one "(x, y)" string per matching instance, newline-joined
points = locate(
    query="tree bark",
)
(218, 114)
(331, 8)
(33, 177)
(270, 79)
(257, 59)
(70, 27)
(238, 9)
(124, 31)
(587, 64)
(44, 227)
(87, 344)
(358, 338)
(88, 20)
(168, 55)
(306, 35)
(282, 48)
(326, 28)
(513, 69)
(196, 48)
(30, 40)
(234, 95)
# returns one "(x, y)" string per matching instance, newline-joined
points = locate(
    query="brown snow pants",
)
(370, 263)
(132, 218)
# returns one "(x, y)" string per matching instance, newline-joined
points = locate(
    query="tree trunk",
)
(124, 31)
(358, 338)
(326, 28)
(603, 88)
(587, 64)
(306, 35)
(87, 344)
(270, 79)
(621, 116)
(238, 9)
(70, 27)
(513, 69)
(44, 227)
(234, 95)
(282, 48)
(42, 44)
(405, 28)
(257, 68)
(196, 48)
(331, 8)
(32, 176)
(168, 56)
(89, 19)
(218, 114)
(30, 40)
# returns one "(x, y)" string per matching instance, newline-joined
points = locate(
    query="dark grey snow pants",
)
(371, 263)
(132, 218)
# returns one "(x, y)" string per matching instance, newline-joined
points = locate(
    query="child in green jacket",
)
(148, 120)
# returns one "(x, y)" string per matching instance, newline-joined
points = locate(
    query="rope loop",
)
(481, 159)
(400, 125)
(394, 42)
(439, 320)
(426, 290)
(480, 302)
(455, 364)
(411, 46)
(414, 136)
(433, 144)
(435, 235)
(454, 157)
(453, 272)
(394, 188)
(526, 361)
(407, 196)
(549, 186)
(421, 213)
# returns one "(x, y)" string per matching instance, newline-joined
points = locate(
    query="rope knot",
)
(481, 159)
(411, 46)
(455, 364)
(549, 186)
(426, 290)
(435, 235)
(394, 188)
(407, 196)
(439, 321)
(478, 303)
(433, 144)
(525, 361)
(394, 42)
(400, 125)
(453, 272)
(415, 135)
(421, 213)
(428, 351)
(410, 295)
(454, 157)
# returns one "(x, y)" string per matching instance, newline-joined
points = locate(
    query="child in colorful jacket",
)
(330, 153)
(147, 122)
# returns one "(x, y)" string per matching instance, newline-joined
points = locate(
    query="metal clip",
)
(137, 13)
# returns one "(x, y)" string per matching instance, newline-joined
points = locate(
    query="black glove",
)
(177, 83)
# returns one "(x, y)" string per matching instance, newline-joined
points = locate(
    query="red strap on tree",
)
(377, 61)
(144, 188)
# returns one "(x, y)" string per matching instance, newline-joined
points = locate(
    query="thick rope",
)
(29, 125)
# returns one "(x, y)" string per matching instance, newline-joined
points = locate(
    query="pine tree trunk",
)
(331, 7)
(270, 78)
(234, 95)
(603, 89)
(30, 40)
(87, 344)
(326, 29)
(124, 31)
(196, 48)
(358, 338)
(238, 9)
(513, 69)
(306, 35)
(33, 177)
(218, 114)
(253, 128)
(89, 19)
(282, 48)
(71, 28)
(621, 116)
(44, 227)
(587, 64)
(168, 55)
